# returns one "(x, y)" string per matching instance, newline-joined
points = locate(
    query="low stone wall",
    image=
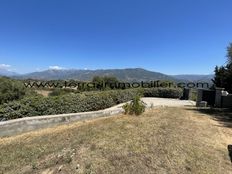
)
(26, 124)
(17, 126)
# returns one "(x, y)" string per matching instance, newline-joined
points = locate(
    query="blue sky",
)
(169, 36)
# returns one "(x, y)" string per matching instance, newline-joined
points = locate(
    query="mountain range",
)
(195, 77)
(4, 72)
(128, 74)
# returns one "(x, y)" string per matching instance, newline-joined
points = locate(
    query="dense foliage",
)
(58, 91)
(229, 53)
(68, 101)
(163, 92)
(10, 90)
(110, 82)
(223, 74)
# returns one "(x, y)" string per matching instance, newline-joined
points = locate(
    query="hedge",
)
(163, 92)
(78, 102)
(70, 103)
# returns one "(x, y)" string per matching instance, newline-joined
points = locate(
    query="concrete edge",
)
(26, 124)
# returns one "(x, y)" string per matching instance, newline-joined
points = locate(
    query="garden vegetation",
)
(18, 102)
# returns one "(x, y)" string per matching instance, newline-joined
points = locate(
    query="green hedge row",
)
(79, 102)
(70, 103)
(163, 92)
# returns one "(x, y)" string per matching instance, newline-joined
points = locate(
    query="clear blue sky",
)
(169, 36)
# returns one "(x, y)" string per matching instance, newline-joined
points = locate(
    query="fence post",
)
(218, 97)
(186, 93)
(199, 96)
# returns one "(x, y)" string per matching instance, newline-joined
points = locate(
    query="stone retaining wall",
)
(17, 126)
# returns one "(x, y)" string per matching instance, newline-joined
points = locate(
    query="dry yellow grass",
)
(165, 140)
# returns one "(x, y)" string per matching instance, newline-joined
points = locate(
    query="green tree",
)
(223, 74)
(110, 81)
(97, 79)
(229, 54)
(11, 89)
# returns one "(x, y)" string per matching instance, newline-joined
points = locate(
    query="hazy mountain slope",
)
(130, 74)
(194, 78)
(4, 72)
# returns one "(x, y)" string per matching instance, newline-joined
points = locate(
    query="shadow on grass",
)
(224, 116)
(230, 151)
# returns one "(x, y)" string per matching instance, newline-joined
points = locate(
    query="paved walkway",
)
(156, 102)
(167, 102)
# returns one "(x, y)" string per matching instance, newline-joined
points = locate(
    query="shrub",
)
(58, 91)
(69, 103)
(163, 92)
(121, 96)
(33, 105)
(135, 107)
(11, 90)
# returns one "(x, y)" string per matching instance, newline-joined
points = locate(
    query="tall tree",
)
(223, 74)
(229, 54)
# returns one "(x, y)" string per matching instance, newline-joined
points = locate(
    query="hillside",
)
(130, 74)
(194, 78)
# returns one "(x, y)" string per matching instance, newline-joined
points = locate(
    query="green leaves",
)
(223, 74)
(35, 105)
(68, 103)
(10, 90)
(163, 92)
(229, 53)
(135, 107)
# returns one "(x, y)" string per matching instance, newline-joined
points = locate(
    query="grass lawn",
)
(164, 140)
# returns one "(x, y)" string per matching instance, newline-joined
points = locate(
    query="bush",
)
(69, 103)
(33, 105)
(163, 92)
(135, 107)
(58, 91)
(11, 90)
(121, 96)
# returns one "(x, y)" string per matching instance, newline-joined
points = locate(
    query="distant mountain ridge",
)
(128, 74)
(194, 77)
(4, 72)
